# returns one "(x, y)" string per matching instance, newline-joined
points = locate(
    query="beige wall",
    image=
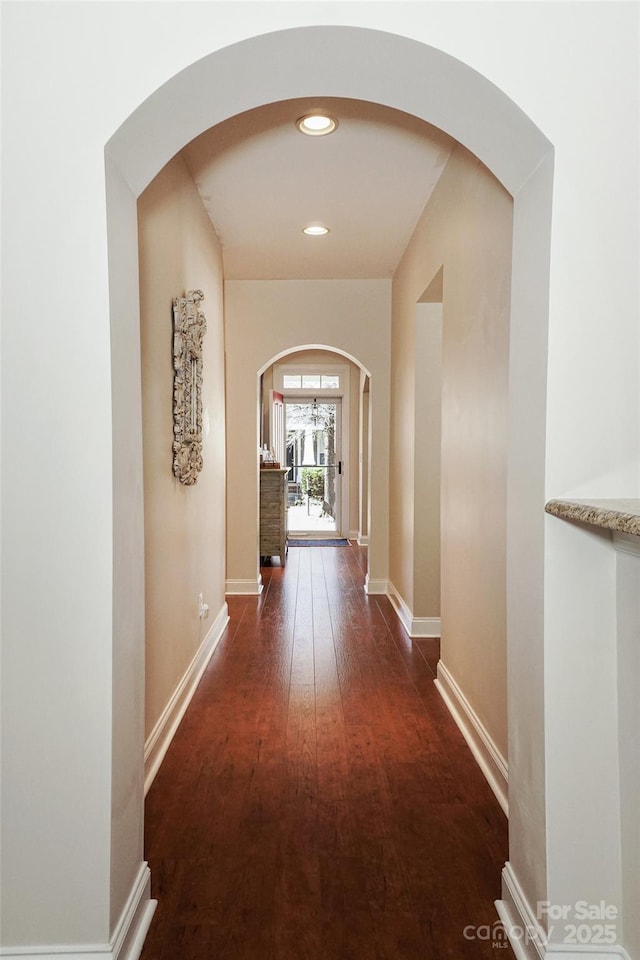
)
(427, 466)
(266, 319)
(184, 526)
(467, 227)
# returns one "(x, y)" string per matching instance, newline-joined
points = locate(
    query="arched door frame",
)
(410, 76)
(327, 348)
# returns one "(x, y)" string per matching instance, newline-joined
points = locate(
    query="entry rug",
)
(338, 542)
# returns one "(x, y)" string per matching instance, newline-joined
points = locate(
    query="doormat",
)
(338, 542)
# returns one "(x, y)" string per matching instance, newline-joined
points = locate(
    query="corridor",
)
(318, 801)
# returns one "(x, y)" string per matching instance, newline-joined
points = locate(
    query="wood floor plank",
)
(318, 801)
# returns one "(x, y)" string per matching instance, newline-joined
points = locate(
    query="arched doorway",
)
(350, 385)
(495, 130)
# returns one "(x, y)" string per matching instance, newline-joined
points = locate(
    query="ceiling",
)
(261, 182)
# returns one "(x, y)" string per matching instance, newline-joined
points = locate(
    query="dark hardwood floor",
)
(318, 802)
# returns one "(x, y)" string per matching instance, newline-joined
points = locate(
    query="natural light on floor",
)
(309, 517)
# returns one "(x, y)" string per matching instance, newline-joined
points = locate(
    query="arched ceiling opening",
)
(365, 65)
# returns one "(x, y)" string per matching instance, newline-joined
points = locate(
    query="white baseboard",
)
(353, 535)
(363, 541)
(489, 758)
(136, 918)
(244, 588)
(126, 942)
(377, 587)
(163, 732)
(525, 934)
(414, 626)
(528, 939)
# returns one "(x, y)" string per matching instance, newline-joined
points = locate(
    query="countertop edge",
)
(598, 513)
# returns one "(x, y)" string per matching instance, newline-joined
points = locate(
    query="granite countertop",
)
(621, 515)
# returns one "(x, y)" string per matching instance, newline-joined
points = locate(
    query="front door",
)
(313, 433)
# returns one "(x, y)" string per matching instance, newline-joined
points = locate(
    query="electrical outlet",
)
(203, 608)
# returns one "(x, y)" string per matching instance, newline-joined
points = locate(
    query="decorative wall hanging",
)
(189, 327)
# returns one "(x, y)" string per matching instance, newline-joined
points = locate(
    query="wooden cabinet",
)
(273, 513)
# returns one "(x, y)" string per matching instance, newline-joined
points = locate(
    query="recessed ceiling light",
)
(315, 230)
(316, 124)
